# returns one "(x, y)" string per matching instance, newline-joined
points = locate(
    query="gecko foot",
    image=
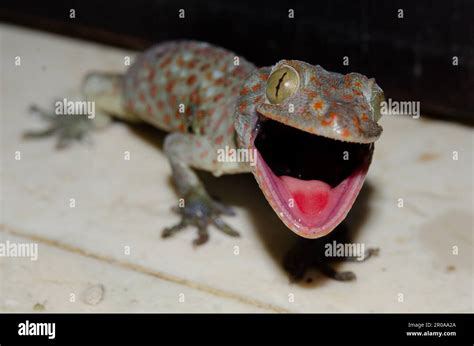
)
(201, 211)
(311, 254)
(67, 128)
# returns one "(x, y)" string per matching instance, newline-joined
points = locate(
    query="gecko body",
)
(312, 130)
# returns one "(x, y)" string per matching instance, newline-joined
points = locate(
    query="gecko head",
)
(312, 132)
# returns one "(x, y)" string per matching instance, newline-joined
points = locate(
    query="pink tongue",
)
(311, 196)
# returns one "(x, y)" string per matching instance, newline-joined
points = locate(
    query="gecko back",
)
(186, 86)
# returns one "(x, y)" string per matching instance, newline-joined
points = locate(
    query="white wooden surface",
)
(127, 203)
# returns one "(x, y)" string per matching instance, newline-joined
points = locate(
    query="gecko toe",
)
(169, 231)
(203, 236)
(225, 228)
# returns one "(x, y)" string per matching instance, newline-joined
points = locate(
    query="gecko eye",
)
(282, 83)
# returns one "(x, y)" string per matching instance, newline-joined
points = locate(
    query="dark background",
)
(411, 58)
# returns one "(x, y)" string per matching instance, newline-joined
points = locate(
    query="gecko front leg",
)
(199, 209)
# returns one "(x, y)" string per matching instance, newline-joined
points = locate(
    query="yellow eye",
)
(282, 83)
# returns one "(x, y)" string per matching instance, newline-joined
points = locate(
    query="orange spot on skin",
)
(255, 87)
(181, 128)
(194, 97)
(201, 114)
(263, 76)
(318, 105)
(165, 62)
(244, 91)
(357, 92)
(170, 86)
(153, 91)
(357, 84)
(192, 64)
(204, 67)
(142, 97)
(180, 62)
(218, 97)
(191, 80)
(356, 122)
(326, 122)
(314, 80)
(243, 107)
(209, 75)
(167, 119)
(364, 117)
(230, 130)
(347, 81)
(345, 133)
(173, 99)
(161, 105)
(347, 98)
(204, 154)
(258, 98)
(151, 75)
(219, 139)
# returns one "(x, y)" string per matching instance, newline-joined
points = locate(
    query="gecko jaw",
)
(308, 180)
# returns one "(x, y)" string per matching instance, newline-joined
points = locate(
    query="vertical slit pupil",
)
(279, 83)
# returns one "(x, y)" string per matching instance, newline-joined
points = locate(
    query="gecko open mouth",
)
(310, 180)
